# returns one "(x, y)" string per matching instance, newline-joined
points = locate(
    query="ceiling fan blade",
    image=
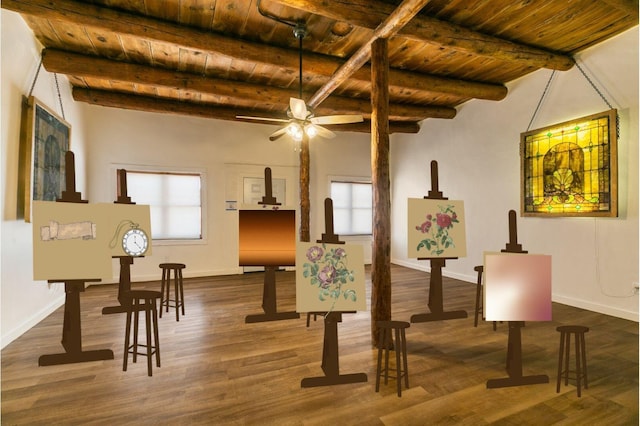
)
(298, 108)
(278, 133)
(325, 133)
(276, 120)
(337, 119)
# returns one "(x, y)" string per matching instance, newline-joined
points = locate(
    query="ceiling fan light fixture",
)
(311, 130)
(295, 131)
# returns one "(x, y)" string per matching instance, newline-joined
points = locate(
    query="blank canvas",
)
(517, 287)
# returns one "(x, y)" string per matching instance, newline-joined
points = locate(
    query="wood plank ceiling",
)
(222, 58)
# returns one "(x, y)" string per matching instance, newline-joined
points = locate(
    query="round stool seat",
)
(145, 294)
(572, 329)
(172, 265)
(393, 324)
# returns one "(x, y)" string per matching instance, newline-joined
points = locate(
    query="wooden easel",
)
(435, 277)
(124, 283)
(269, 300)
(514, 345)
(330, 355)
(72, 326)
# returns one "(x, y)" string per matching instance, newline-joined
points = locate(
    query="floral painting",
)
(330, 277)
(436, 229)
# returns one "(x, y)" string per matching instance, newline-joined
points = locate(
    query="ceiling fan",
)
(301, 119)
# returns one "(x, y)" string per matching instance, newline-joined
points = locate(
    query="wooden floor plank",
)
(216, 369)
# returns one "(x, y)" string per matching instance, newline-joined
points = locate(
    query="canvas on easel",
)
(517, 287)
(266, 237)
(70, 241)
(330, 277)
(436, 228)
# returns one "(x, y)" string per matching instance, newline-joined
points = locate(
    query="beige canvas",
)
(436, 229)
(70, 241)
(330, 277)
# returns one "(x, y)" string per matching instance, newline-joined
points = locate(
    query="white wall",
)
(225, 151)
(25, 302)
(595, 260)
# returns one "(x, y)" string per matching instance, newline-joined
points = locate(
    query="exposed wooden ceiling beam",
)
(150, 104)
(189, 38)
(370, 13)
(86, 66)
(390, 26)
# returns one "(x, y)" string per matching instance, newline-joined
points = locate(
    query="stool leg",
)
(379, 367)
(147, 323)
(155, 331)
(584, 360)
(181, 291)
(136, 312)
(567, 356)
(162, 285)
(398, 348)
(127, 334)
(387, 335)
(404, 356)
(175, 293)
(478, 291)
(578, 362)
(560, 362)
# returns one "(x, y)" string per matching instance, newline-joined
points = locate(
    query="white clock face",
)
(135, 242)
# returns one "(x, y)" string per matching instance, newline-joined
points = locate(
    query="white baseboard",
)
(32, 321)
(596, 307)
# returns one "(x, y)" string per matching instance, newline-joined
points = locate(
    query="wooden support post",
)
(305, 204)
(381, 253)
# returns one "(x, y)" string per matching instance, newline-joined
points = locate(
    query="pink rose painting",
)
(436, 228)
(330, 277)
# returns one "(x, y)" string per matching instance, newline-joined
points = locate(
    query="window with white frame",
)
(352, 207)
(174, 200)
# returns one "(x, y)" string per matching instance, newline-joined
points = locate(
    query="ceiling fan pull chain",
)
(546, 88)
(601, 96)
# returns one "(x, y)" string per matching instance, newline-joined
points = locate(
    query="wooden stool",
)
(148, 305)
(479, 301)
(581, 355)
(385, 342)
(178, 289)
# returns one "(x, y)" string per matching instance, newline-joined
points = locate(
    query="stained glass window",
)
(570, 169)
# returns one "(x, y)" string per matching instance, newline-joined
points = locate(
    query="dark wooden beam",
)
(119, 22)
(305, 202)
(159, 105)
(62, 62)
(391, 25)
(370, 13)
(380, 180)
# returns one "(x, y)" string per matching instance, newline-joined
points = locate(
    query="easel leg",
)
(435, 297)
(269, 302)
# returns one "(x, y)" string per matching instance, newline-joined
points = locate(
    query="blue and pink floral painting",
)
(436, 229)
(330, 277)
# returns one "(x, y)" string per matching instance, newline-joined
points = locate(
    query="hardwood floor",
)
(218, 370)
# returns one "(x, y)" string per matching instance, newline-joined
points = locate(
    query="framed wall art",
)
(571, 168)
(45, 137)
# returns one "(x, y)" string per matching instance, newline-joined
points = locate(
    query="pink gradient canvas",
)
(517, 287)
